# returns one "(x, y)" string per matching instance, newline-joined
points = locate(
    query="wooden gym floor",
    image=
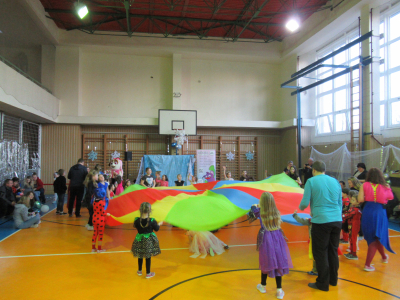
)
(54, 262)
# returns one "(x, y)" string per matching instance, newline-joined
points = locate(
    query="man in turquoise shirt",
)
(324, 195)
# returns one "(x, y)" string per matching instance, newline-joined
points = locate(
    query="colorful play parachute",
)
(204, 206)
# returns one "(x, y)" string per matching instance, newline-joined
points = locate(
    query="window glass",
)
(394, 82)
(382, 115)
(340, 122)
(394, 54)
(340, 100)
(325, 104)
(394, 25)
(323, 125)
(395, 111)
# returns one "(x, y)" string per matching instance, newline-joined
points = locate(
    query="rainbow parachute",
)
(204, 206)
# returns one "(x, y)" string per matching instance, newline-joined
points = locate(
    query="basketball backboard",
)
(170, 120)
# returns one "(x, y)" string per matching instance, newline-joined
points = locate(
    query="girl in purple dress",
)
(274, 253)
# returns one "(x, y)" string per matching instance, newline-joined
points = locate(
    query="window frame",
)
(384, 50)
(344, 39)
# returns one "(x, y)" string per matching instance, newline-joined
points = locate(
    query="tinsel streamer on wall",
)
(14, 159)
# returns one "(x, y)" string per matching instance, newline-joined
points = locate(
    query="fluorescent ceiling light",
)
(81, 9)
(292, 25)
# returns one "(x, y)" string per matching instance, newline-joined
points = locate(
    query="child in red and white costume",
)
(345, 208)
(353, 215)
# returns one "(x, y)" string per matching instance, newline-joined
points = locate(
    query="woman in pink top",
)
(375, 192)
(164, 181)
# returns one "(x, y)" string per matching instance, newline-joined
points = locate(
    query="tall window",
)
(333, 97)
(390, 68)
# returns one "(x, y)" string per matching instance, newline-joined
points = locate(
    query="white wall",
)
(287, 108)
(231, 91)
(22, 97)
(127, 86)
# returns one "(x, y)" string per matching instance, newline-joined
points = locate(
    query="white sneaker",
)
(261, 288)
(90, 228)
(86, 226)
(280, 293)
(35, 226)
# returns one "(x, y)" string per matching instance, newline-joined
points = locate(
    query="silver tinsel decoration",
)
(14, 160)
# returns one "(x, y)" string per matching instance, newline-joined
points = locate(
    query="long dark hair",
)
(375, 175)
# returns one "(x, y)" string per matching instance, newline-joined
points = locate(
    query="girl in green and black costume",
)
(146, 243)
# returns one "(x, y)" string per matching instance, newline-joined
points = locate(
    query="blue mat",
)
(7, 225)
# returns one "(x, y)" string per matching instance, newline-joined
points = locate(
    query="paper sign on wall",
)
(206, 165)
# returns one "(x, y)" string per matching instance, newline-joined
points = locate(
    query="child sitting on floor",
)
(204, 242)
(353, 215)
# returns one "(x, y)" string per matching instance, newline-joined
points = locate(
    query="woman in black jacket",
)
(60, 187)
(361, 173)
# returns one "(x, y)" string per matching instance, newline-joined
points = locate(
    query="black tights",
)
(278, 280)
(148, 264)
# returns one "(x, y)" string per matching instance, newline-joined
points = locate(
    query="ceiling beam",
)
(251, 19)
(225, 22)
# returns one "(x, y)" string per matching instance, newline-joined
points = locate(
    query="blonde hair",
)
(145, 208)
(30, 184)
(26, 201)
(89, 178)
(270, 216)
(355, 182)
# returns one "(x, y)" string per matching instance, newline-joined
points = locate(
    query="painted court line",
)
(126, 251)
(107, 252)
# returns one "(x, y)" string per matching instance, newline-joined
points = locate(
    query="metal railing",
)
(11, 65)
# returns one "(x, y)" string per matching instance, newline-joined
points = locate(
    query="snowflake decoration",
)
(115, 155)
(230, 156)
(92, 155)
(249, 155)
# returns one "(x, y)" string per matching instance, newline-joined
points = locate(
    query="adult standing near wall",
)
(76, 176)
(375, 192)
(324, 195)
(308, 170)
(7, 199)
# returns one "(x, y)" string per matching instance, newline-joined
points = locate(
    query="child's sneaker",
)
(280, 293)
(369, 269)
(139, 273)
(261, 288)
(151, 274)
(385, 260)
(351, 256)
(94, 250)
(102, 250)
(348, 250)
(90, 228)
(35, 226)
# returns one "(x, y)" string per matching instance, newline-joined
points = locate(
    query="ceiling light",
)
(81, 9)
(292, 25)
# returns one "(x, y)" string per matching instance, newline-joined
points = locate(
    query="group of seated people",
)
(12, 192)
